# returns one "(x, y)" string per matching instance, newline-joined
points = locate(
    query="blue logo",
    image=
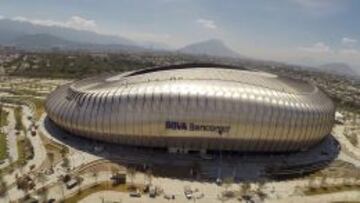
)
(175, 125)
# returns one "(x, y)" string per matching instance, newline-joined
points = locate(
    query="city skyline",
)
(296, 31)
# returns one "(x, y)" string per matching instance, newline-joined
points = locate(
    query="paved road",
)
(349, 152)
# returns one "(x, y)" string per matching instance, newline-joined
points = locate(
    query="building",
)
(195, 107)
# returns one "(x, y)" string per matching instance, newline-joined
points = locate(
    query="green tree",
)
(228, 181)
(245, 187)
(44, 192)
(131, 173)
(95, 176)
(61, 185)
(3, 186)
(65, 163)
(148, 176)
(51, 156)
(63, 151)
(42, 179)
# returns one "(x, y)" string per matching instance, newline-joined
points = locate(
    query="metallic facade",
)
(195, 107)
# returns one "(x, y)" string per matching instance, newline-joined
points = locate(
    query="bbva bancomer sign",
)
(176, 125)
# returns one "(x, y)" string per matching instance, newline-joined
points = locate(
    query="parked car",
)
(52, 200)
(169, 197)
(71, 183)
(218, 181)
(188, 192)
(152, 191)
(135, 193)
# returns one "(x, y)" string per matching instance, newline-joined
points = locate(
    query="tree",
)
(245, 188)
(42, 178)
(260, 191)
(80, 181)
(61, 185)
(11, 164)
(323, 181)
(312, 182)
(66, 163)
(114, 170)
(63, 151)
(227, 182)
(131, 173)
(3, 186)
(50, 156)
(149, 176)
(95, 175)
(23, 184)
(44, 192)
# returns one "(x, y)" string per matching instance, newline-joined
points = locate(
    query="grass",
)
(352, 137)
(3, 117)
(96, 188)
(331, 189)
(18, 113)
(3, 153)
(39, 105)
(21, 151)
(27, 92)
(25, 150)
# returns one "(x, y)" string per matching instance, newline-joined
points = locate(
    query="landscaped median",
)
(19, 126)
(35, 104)
(3, 149)
(25, 150)
(3, 117)
(332, 189)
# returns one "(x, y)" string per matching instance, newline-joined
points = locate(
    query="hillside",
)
(212, 47)
(338, 68)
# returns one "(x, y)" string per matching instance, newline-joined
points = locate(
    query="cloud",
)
(349, 52)
(75, 22)
(147, 36)
(318, 47)
(348, 41)
(314, 3)
(1, 17)
(206, 23)
(322, 7)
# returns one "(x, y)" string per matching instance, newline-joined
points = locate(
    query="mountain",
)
(11, 29)
(40, 41)
(213, 47)
(155, 46)
(338, 68)
(46, 42)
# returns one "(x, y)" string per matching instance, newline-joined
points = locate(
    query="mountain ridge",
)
(212, 47)
(338, 68)
(10, 30)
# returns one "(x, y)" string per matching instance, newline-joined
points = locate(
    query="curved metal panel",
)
(200, 108)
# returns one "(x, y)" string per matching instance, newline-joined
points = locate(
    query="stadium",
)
(195, 107)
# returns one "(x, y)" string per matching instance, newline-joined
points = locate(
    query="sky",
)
(310, 32)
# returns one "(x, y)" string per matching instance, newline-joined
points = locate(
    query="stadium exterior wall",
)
(201, 107)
